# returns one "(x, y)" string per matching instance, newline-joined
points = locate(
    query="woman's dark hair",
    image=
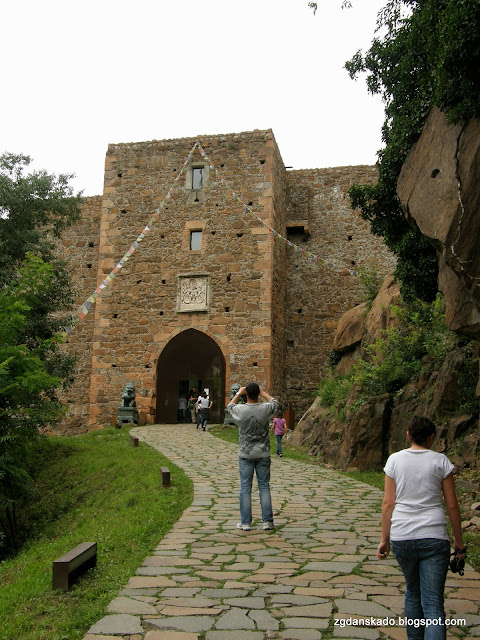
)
(252, 390)
(420, 429)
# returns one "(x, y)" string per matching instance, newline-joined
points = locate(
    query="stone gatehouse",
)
(214, 294)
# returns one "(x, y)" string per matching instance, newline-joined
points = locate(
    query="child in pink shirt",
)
(280, 429)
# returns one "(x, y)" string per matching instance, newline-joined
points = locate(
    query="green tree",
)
(428, 54)
(35, 208)
(35, 298)
(27, 387)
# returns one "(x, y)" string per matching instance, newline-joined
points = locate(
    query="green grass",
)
(93, 487)
(373, 478)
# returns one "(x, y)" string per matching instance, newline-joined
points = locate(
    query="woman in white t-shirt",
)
(416, 479)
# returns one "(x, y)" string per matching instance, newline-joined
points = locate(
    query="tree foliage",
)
(27, 385)
(426, 53)
(35, 296)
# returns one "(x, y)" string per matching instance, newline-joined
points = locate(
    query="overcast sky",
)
(77, 76)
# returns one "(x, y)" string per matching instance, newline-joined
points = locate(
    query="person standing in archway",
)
(204, 406)
(253, 419)
(192, 404)
(182, 408)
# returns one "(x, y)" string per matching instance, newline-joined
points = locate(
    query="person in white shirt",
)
(414, 525)
(204, 406)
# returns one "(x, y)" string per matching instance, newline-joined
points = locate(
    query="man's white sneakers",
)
(267, 526)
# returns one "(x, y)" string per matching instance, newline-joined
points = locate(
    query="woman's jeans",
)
(261, 466)
(279, 443)
(424, 563)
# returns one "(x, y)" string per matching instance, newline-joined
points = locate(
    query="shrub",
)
(370, 283)
(398, 357)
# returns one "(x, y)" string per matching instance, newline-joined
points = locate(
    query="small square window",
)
(197, 177)
(195, 240)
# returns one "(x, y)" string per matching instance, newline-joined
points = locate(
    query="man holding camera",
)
(253, 420)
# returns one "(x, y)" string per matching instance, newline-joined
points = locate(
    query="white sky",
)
(77, 76)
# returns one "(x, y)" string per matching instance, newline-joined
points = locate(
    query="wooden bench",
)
(66, 568)
(165, 473)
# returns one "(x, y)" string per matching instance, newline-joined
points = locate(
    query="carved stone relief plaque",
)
(193, 293)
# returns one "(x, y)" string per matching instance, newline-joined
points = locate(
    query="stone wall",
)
(80, 247)
(279, 281)
(138, 316)
(271, 312)
(317, 295)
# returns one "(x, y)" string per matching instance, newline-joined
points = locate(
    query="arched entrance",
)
(190, 359)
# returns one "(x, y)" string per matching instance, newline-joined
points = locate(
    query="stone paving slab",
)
(300, 634)
(170, 635)
(302, 581)
(180, 623)
(123, 604)
(117, 624)
(305, 623)
(234, 635)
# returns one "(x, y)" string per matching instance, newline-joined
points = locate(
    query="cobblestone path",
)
(311, 578)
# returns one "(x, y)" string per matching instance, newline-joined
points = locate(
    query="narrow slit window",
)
(195, 240)
(197, 177)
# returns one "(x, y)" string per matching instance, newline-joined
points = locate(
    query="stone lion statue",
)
(234, 389)
(128, 395)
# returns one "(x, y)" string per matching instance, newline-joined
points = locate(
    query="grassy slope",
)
(93, 487)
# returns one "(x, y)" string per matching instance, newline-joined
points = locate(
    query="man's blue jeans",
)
(261, 466)
(424, 563)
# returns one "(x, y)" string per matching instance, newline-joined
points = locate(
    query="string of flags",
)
(247, 209)
(84, 308)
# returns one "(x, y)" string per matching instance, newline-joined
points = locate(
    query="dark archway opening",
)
(190, 359)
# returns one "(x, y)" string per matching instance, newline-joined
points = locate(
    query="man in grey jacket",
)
(253, 420)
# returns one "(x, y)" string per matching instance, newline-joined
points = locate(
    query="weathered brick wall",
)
(272, 311)
(79, 246)
(318, 295)
(136, 316)
(279, 280)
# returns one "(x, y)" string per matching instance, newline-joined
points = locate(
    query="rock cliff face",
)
(438, 189)
(370, 433)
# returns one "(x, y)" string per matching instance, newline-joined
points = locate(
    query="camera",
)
(457, 564)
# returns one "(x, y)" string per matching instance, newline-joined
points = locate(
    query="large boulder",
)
(380, 316)
(318, 431)
(462, 312)
(438, 190)
(350, 328)
(354, 444)
(365, 434)
(360, 326)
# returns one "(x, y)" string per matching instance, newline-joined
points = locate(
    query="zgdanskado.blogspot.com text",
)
(399, 622)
